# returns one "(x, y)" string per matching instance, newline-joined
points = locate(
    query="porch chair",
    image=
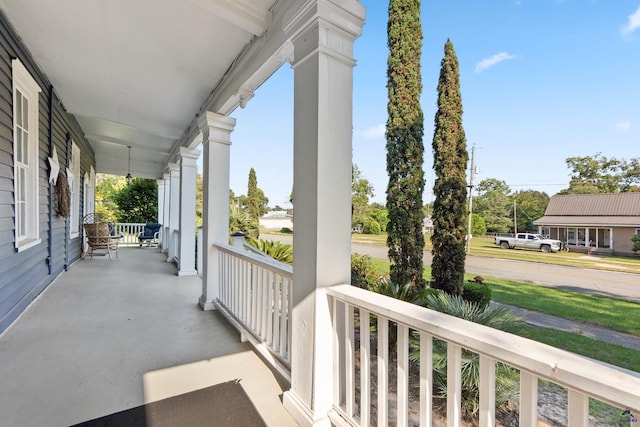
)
(150, 235)
(99, 236)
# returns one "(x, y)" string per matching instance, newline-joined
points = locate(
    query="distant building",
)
(276, 220)
(427, 225)
(605, 222)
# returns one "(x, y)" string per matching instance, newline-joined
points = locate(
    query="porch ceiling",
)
(136, 73)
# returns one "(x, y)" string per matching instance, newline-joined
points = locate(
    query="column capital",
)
(216, 127)
(330, 23)
(188, 156)
(173, 168)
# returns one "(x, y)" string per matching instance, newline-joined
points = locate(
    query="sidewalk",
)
(535, 318)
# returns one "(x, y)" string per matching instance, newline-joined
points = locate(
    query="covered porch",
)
(108, 336)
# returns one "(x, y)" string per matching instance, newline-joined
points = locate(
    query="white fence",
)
(353, 309)
(255, 295)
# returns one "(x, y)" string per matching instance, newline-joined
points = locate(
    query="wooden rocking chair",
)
(98, 235)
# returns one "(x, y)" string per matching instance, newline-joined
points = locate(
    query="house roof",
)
(619, 209)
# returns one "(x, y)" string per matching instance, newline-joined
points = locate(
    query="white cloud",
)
(374, 132)
(633, 23)
(493, 60)
(623, 125)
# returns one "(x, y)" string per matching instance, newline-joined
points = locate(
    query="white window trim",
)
(74, 189)
(25, 83)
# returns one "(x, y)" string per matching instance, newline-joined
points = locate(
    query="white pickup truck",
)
(528, 241)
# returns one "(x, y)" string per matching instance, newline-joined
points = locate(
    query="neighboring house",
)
(35, 244)
(276, 220)
(427, 225)
(605, 222)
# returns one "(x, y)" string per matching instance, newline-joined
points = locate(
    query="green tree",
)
(361, 190)
(636, 243)
(253, 197)
(600, 174)
(405, 150)
(380, 215)
(495, 204)
(138, 202)
(199, 198)
(530, 205)
(478, 227)
(450, 157)
(107, 186)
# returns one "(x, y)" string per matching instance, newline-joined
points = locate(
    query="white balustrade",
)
(255, 295)
(129, 231)
(583, 377)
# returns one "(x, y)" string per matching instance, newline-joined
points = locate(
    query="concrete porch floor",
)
(112, 335)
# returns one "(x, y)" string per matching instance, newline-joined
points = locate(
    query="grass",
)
(599, 310)
(610, 353)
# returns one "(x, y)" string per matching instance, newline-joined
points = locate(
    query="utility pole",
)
(472, 171)
(515, 216)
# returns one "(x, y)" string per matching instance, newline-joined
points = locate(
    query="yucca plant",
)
(507, 378)
(239, 220)
(282, 252)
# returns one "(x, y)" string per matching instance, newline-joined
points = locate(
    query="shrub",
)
(636, 243)
(364, 273)
(507, 379)
(477, 294)
(282, 252)
(286, 230)
(371, 226)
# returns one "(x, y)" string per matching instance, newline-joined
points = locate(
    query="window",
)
(638, 231)
(25, 156)
(74, 190)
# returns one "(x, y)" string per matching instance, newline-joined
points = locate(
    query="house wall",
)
(622, 240)
(23, 275)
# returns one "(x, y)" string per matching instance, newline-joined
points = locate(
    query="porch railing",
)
(255, 295)
(353, 309)
(130, 232)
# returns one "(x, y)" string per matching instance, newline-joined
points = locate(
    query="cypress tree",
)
(253, 197)
(405, 149)
(450, 188)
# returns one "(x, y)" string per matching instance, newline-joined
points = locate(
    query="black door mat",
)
(223, 405)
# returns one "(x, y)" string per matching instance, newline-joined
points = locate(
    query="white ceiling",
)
(137, 72)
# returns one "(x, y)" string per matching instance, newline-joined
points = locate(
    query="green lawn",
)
(585, 346)
(599, 310)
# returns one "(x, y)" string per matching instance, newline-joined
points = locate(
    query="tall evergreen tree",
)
(405, 150)
(450, 157)
(253, 197)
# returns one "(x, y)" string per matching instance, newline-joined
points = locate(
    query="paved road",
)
(607, 283)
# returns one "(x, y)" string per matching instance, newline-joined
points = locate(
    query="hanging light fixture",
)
(129, 177)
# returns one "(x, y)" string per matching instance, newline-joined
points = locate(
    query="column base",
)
(187, 273)
(206, 305)
(301, 413)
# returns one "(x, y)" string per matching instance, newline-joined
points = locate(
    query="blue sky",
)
(541, 81)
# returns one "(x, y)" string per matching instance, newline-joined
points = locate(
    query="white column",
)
(187, 248)
(322, 33)
(160, 200)
(174, 210)
(166, 177)
(216, 130)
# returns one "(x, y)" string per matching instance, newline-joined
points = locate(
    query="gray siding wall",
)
(23, 275)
